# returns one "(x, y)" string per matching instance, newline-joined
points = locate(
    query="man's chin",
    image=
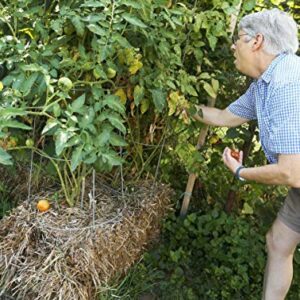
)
(239, 69)
(236, 65)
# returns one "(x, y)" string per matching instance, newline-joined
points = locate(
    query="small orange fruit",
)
(43, 205)
(235, 154)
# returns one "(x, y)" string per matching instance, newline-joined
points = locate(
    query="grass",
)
(6, 202)
(133, 286)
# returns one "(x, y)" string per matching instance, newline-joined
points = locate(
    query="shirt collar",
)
(266, 76)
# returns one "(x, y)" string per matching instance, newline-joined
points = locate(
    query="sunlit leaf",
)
(134, 20)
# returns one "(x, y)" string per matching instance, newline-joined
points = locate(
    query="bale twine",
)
(67, 254)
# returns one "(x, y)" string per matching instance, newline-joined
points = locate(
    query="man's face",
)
(242, 52)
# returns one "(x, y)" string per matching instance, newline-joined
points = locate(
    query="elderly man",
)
(264, 49)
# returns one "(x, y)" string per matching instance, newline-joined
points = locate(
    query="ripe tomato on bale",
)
(43, 205)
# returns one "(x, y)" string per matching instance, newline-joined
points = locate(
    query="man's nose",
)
(233, 46)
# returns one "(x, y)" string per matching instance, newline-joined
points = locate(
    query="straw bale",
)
(67, 254)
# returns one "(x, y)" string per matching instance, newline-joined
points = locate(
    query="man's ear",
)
(258, 42)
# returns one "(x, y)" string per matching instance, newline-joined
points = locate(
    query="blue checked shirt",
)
(274, 101)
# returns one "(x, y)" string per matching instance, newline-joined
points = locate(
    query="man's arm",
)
(285, 172)
(218, 117)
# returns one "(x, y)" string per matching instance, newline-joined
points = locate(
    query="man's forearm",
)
(208, 115)
(217, 117)
(269, 174)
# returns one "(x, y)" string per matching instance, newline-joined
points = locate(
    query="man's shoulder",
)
(287, 70)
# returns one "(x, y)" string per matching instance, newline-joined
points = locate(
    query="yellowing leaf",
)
(121, 93)
(144, 105)
(176, 103)
(247, 209)
(126, 56)
(209, 89)
(138, 94)
(135, 66)
(1, 86)
(173, 100)
(215, 85)
(27, 31)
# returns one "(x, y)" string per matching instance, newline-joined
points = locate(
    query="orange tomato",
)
(235, 154)
(43, 205)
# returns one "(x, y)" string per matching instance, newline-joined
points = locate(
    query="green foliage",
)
(210, 256)
(6, 202)
(207, 256)
(87, 75)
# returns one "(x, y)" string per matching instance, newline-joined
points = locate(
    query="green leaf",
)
(75, 140)
(159, 99)
(61, 138)
(111, 158)
(204, 75)
(116, 37)
(103, 137)
(134, 20)
(117, 140)
(93, 3)
(131, 3)
(27, 85)
(78, 24)
(56, 110)
(57, 26)
(198, 22)
(12, 112)
(76, 158)
(87, 119)
(191, 90)
(78, 103)
(114, 103)
(249, 4)
(49, 125)
(14, 124)
(5, 158)
(212, 41)
(32, 68)
(116, 122)
(97, 29)
(91, 157)
(19, 81)
(8, 80)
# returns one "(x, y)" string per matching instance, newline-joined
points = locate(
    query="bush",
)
(209, 256)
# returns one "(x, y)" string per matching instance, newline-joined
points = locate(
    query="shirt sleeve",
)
(285, 119)
(244, 106)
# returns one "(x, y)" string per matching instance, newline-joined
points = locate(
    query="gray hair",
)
(278, 28)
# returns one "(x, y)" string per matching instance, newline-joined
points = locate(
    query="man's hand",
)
(231, 160)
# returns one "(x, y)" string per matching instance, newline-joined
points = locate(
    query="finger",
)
(241, 157)
(224, 153)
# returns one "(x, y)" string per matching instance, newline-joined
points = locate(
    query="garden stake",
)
(82, 192)
(193, 176)
(121, 170)
(31, 168)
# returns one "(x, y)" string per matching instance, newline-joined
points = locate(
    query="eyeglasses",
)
(236, 37)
